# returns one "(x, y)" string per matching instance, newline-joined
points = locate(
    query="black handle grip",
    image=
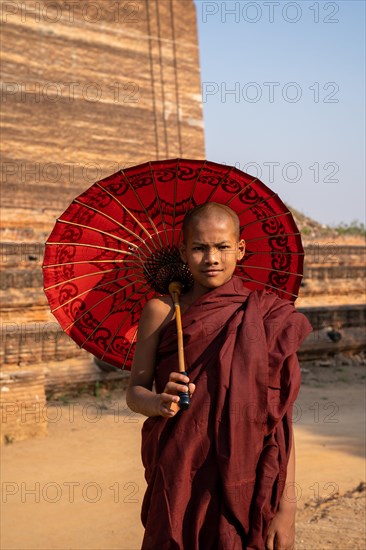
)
(184, 399)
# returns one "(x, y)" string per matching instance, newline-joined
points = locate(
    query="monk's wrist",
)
(143, 401)
(156, 405)
(287, 506)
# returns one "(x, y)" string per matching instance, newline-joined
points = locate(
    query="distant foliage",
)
(313, 229)
(353, 228)
(306, 230)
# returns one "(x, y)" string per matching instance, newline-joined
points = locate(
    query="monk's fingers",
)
(192, 387)
(270, 542)
(167, 398)
(169, 412)
(178, 377)
(168, 405)
(174, 388)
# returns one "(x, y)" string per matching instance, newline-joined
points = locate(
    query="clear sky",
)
(283, 87)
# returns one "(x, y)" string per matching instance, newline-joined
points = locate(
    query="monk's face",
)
(212, 250)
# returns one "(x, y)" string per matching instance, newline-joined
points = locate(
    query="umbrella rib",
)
(97, 304)
(277, 252)
(261, 220)
(108, 314)
(91, 246)
(82, 277)
(88, 290)
(85, 275)
(158, 198)
(142, 206)
(129, 348)
(113, 220)
(129, 212)
(272, 236)
(192, 193)
(263, 199)
(242, 190)
(87, 262)
(219, 184)
(245, 266)
(267, 285)
(99, 231)
(132, 261)
(122, 323)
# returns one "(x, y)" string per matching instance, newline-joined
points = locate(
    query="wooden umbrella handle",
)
(175, 289)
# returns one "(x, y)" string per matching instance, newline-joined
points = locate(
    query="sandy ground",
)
(81, 487)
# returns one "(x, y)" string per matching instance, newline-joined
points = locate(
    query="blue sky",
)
(295, 116)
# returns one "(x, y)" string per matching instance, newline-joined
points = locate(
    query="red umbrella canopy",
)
(116, 246)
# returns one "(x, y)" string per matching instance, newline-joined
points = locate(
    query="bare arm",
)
(140, 397)
(289, 497)
(281, 533)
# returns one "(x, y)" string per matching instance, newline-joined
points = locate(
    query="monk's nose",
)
(212, 257)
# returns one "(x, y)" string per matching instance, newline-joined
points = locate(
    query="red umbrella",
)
(116, 246)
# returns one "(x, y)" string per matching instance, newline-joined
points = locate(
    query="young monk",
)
(220, 475)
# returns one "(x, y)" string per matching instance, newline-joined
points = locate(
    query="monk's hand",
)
(169, 399)
(281, 532)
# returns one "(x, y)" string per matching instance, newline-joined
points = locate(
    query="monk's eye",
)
(224, 247)
(197, 248)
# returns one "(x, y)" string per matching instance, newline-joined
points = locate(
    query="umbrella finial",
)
(165, 266)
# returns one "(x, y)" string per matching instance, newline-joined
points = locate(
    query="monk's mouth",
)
(212, 272)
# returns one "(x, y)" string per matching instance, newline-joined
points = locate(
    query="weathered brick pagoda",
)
(88, 88)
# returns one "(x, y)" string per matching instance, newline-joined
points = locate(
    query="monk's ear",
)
(182, 252)
(241, 250)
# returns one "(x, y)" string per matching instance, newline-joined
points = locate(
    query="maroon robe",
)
(216, 472)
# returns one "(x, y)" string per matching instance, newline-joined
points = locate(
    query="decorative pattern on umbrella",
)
(116, 246)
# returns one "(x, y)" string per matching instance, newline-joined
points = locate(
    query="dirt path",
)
(81, 487)
(330, 467)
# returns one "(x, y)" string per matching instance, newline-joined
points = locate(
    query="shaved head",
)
(208, 210)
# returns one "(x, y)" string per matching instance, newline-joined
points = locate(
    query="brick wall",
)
(88, 88)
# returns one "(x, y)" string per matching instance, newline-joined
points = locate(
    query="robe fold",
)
(216, 472)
